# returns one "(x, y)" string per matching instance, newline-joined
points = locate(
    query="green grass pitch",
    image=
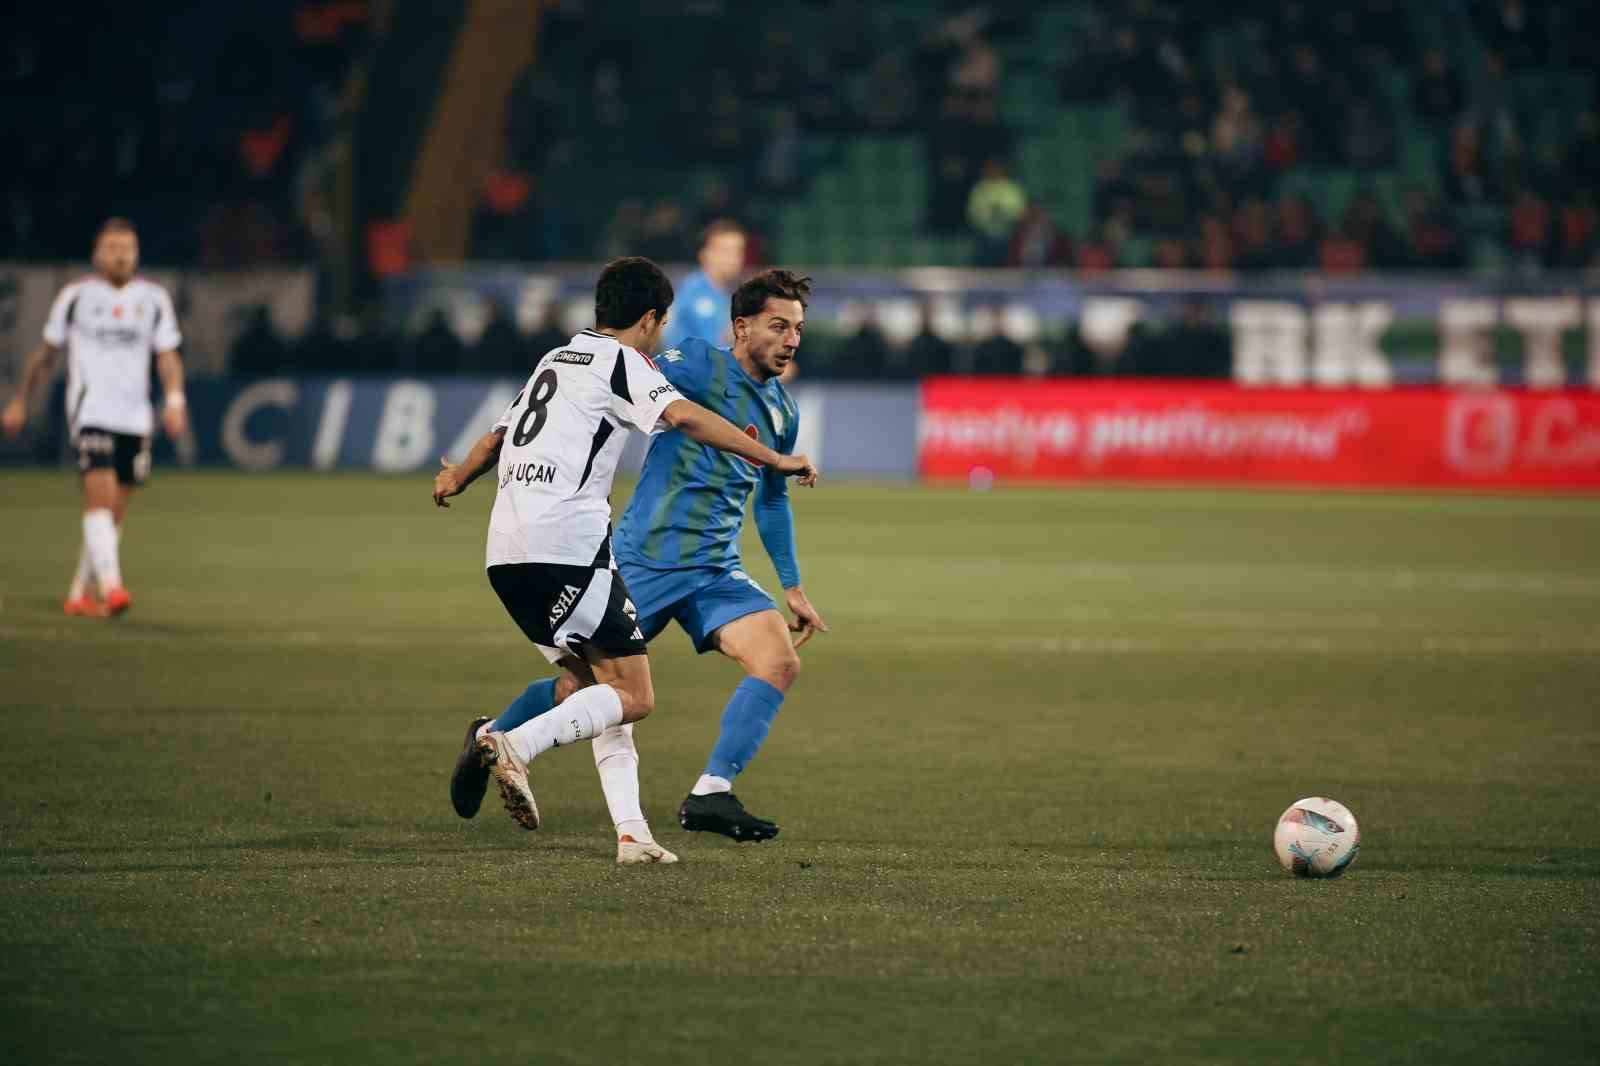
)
(1027, 789)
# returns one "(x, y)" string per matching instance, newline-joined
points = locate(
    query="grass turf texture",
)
(1027, 789)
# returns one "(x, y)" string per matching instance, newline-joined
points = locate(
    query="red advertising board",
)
(1067, 430)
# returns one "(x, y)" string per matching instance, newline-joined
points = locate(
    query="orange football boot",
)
(83, 607)
(117, 601)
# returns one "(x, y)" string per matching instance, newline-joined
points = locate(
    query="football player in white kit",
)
(109, 323)
(549, 546)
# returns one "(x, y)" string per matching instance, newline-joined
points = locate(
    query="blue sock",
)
(745, 723)
(536, 699)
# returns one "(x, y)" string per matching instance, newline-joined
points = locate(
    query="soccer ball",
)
(1317, 837)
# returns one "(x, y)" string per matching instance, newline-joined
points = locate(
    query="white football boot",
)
(511, 774)
(631, 852)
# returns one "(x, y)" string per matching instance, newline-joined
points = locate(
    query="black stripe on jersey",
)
(72, 309)
(601, 435)
(156, 321)
(619, 376)
(602, 558)
(592, 333)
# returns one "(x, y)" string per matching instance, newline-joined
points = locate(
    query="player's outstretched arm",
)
(34, 372)
(708, 427)
(453, 478)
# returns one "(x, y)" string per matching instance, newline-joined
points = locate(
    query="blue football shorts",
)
(701, 599)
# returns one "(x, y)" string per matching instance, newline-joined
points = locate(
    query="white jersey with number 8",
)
(561, 447)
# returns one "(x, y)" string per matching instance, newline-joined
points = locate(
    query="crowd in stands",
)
(1216, 141)
(207, 125)
(1452, 126)
(1445, 140)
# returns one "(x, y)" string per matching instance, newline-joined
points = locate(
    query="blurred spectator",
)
(1111, 188)
(864, 355)
(1236, 133)
(437, 349)
(775, 72)
(964, 136)
(1367, 225)
(1282, 148)
(1515, 29)
(1311, 92)
(665, 236)
(321, 350)
(1214, 250)
(499, 347)
(1098, 253)
(780, 155)
(1580, 162)
(1576, 231)
(1038, 242)
(1252, 234)
(546, 336)
(1466, 178)
(997, 354)
(929, 353)
(1340, 253)
(1198, 346)
(259, 350)
(1298, 234)
(891, 100)
(625, 232)
(1438, 97)
(995, 206)
(1528, 231)
(375, 348)
(975, 73)
(701, 308)
(1432, 244)
(1368, 136)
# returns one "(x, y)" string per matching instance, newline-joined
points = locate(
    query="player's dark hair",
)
(752, 296)
(628, 287)
(715, 229)
(115, 224)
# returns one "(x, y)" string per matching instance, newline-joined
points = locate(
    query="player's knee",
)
(780, 670)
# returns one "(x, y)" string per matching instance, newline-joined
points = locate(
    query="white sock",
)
(578, 717)
(85, 572)
(100, 541)
(710, 783)
(82, 576)
(617, 761)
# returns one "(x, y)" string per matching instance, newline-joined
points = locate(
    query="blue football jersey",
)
(689, 507)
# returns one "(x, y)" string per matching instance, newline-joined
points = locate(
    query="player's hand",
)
(446, 483)
(807, 622)
(14, 417)
(801, 468)
(175, 420)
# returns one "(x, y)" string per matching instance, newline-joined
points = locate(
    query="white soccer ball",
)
(1317, 837)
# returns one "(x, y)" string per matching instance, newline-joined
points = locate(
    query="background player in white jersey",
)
(109, 323)
(549, 546)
